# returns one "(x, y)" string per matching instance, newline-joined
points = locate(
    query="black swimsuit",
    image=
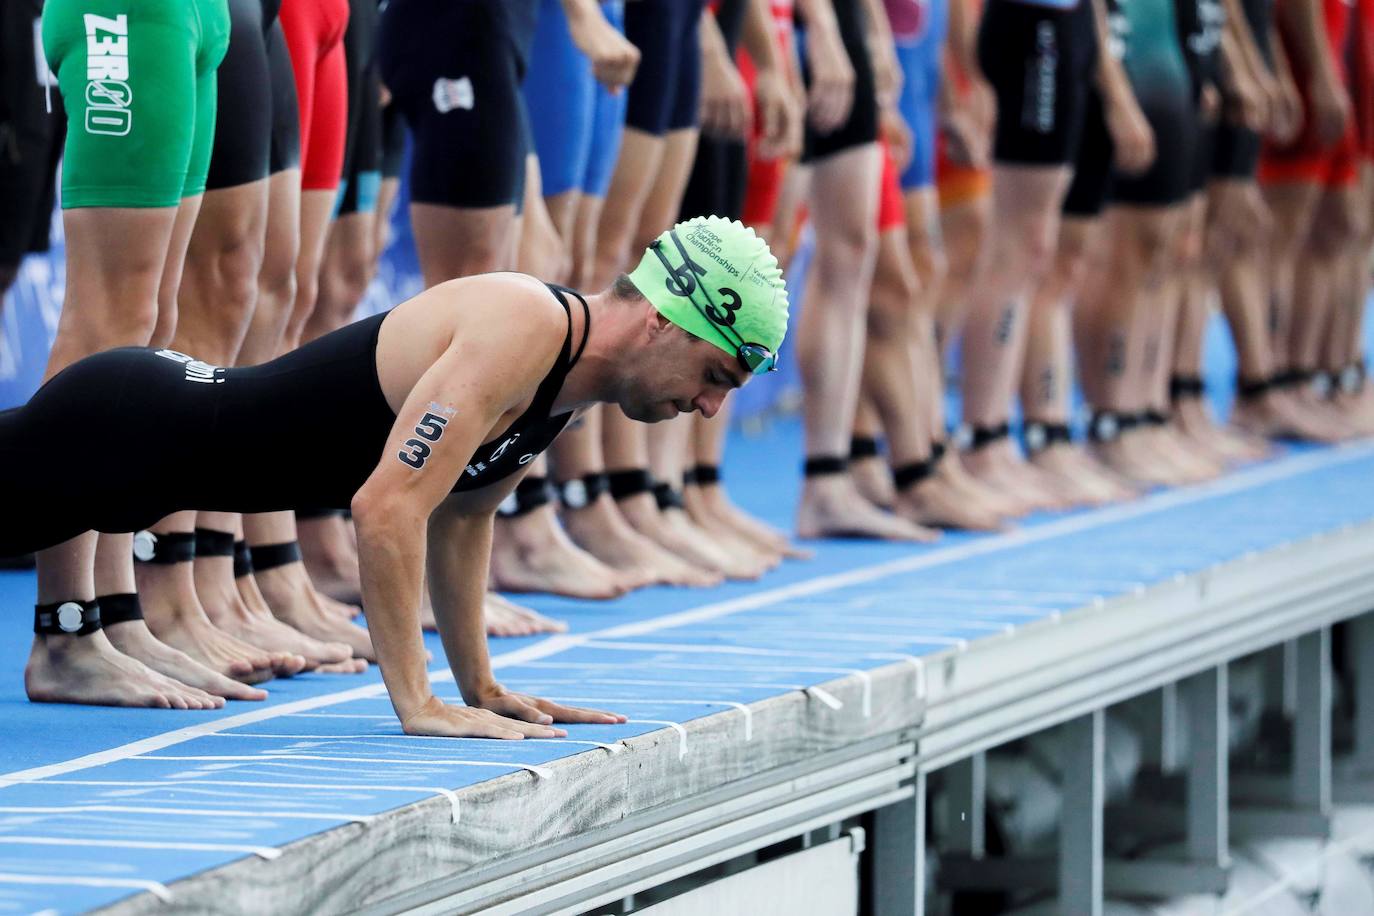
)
(123, 438)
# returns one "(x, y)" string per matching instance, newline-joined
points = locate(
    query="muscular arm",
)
(1328, 105)
(777, 108)
(614, 59)
(887, 72)
(1132, 139)
(478, 378)
(831, 95)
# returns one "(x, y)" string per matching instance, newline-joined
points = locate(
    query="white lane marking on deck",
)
(541, 772)
(613, 748)
(190, 783)
(184, 812)
(159, 891)
(1241, 480)
(262, 852)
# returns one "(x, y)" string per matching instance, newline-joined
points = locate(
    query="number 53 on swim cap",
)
(717, 280)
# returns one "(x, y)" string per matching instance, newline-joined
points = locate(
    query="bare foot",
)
(532, 553)
(226, 604)
(938, 503)
(1060, 461)
(709, 501)
(1275, 416)
(331, 557)
(1193, 420)
(89, 670)
(506, 618)
(995, 467)
(734, 555)
(831, 507)
(1169, 442)
(642, 513)
(602, 531)
(175, 616)
(1123, 456)
(951, 469)
(873, 480)
(294, 601)
(134, 639)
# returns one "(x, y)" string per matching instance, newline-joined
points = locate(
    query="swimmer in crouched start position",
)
(421, 420)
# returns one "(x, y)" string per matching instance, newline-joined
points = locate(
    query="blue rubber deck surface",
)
(99, 803)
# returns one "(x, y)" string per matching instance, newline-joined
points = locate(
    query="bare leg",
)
(116, 259)
(890, 377)
(1047, 377)
(1024, 230)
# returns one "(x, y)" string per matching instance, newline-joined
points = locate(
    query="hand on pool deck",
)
(437, 719)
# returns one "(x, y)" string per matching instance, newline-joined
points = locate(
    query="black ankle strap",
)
(119, 609)
(243, 560)
(1185, 387)
(1292, 378)
(703, 475)
(164, 549)
(861, 447)
(530, 494)
(626, 484)
(211, 543)
(1153, 417)
(1250, 389)
(270, 556)
(66, 618)
(1038, 436)
(825, 465)
(981, 437)
(580, 492)
(666, 496)
(909, 475)
(1108, 425)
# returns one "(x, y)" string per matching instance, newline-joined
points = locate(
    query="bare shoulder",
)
(507, 305)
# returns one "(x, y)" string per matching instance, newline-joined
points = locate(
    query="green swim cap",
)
(716, 279)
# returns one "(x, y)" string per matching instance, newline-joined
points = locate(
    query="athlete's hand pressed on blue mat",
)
(543, 712)
(437, 719)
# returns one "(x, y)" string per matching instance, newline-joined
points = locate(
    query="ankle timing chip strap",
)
(825, 465)
(666, 496)
(243, 560)
(625, 484)
(1108, 425)
(270, 556)
(119, 609)
(909, 475)
(703, 475)
(66, 618)
(1351, 378)
(1038, 436)
(212, 543)
(1153, 417)
(530, 494)
(980, 437)
(164, 549)
(1184, 387)
(581, 492)
(861, 447)
(1249, 389)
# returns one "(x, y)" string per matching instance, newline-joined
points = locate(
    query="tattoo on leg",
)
(1151, 354)
(1116, 354)
(1046, 388)
(1004, 326)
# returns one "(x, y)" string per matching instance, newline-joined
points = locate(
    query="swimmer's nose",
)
(708, 404)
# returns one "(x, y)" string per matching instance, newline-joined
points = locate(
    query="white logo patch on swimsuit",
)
(108, 96)
(196, 370)
(452, 94)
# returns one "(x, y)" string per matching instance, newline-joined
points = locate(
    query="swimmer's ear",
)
(655, 323)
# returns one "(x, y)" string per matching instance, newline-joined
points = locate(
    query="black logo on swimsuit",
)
(430, 427)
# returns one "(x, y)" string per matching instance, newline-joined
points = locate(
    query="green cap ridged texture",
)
(736, 278)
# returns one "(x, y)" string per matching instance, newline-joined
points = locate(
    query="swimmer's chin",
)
(651, 413)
